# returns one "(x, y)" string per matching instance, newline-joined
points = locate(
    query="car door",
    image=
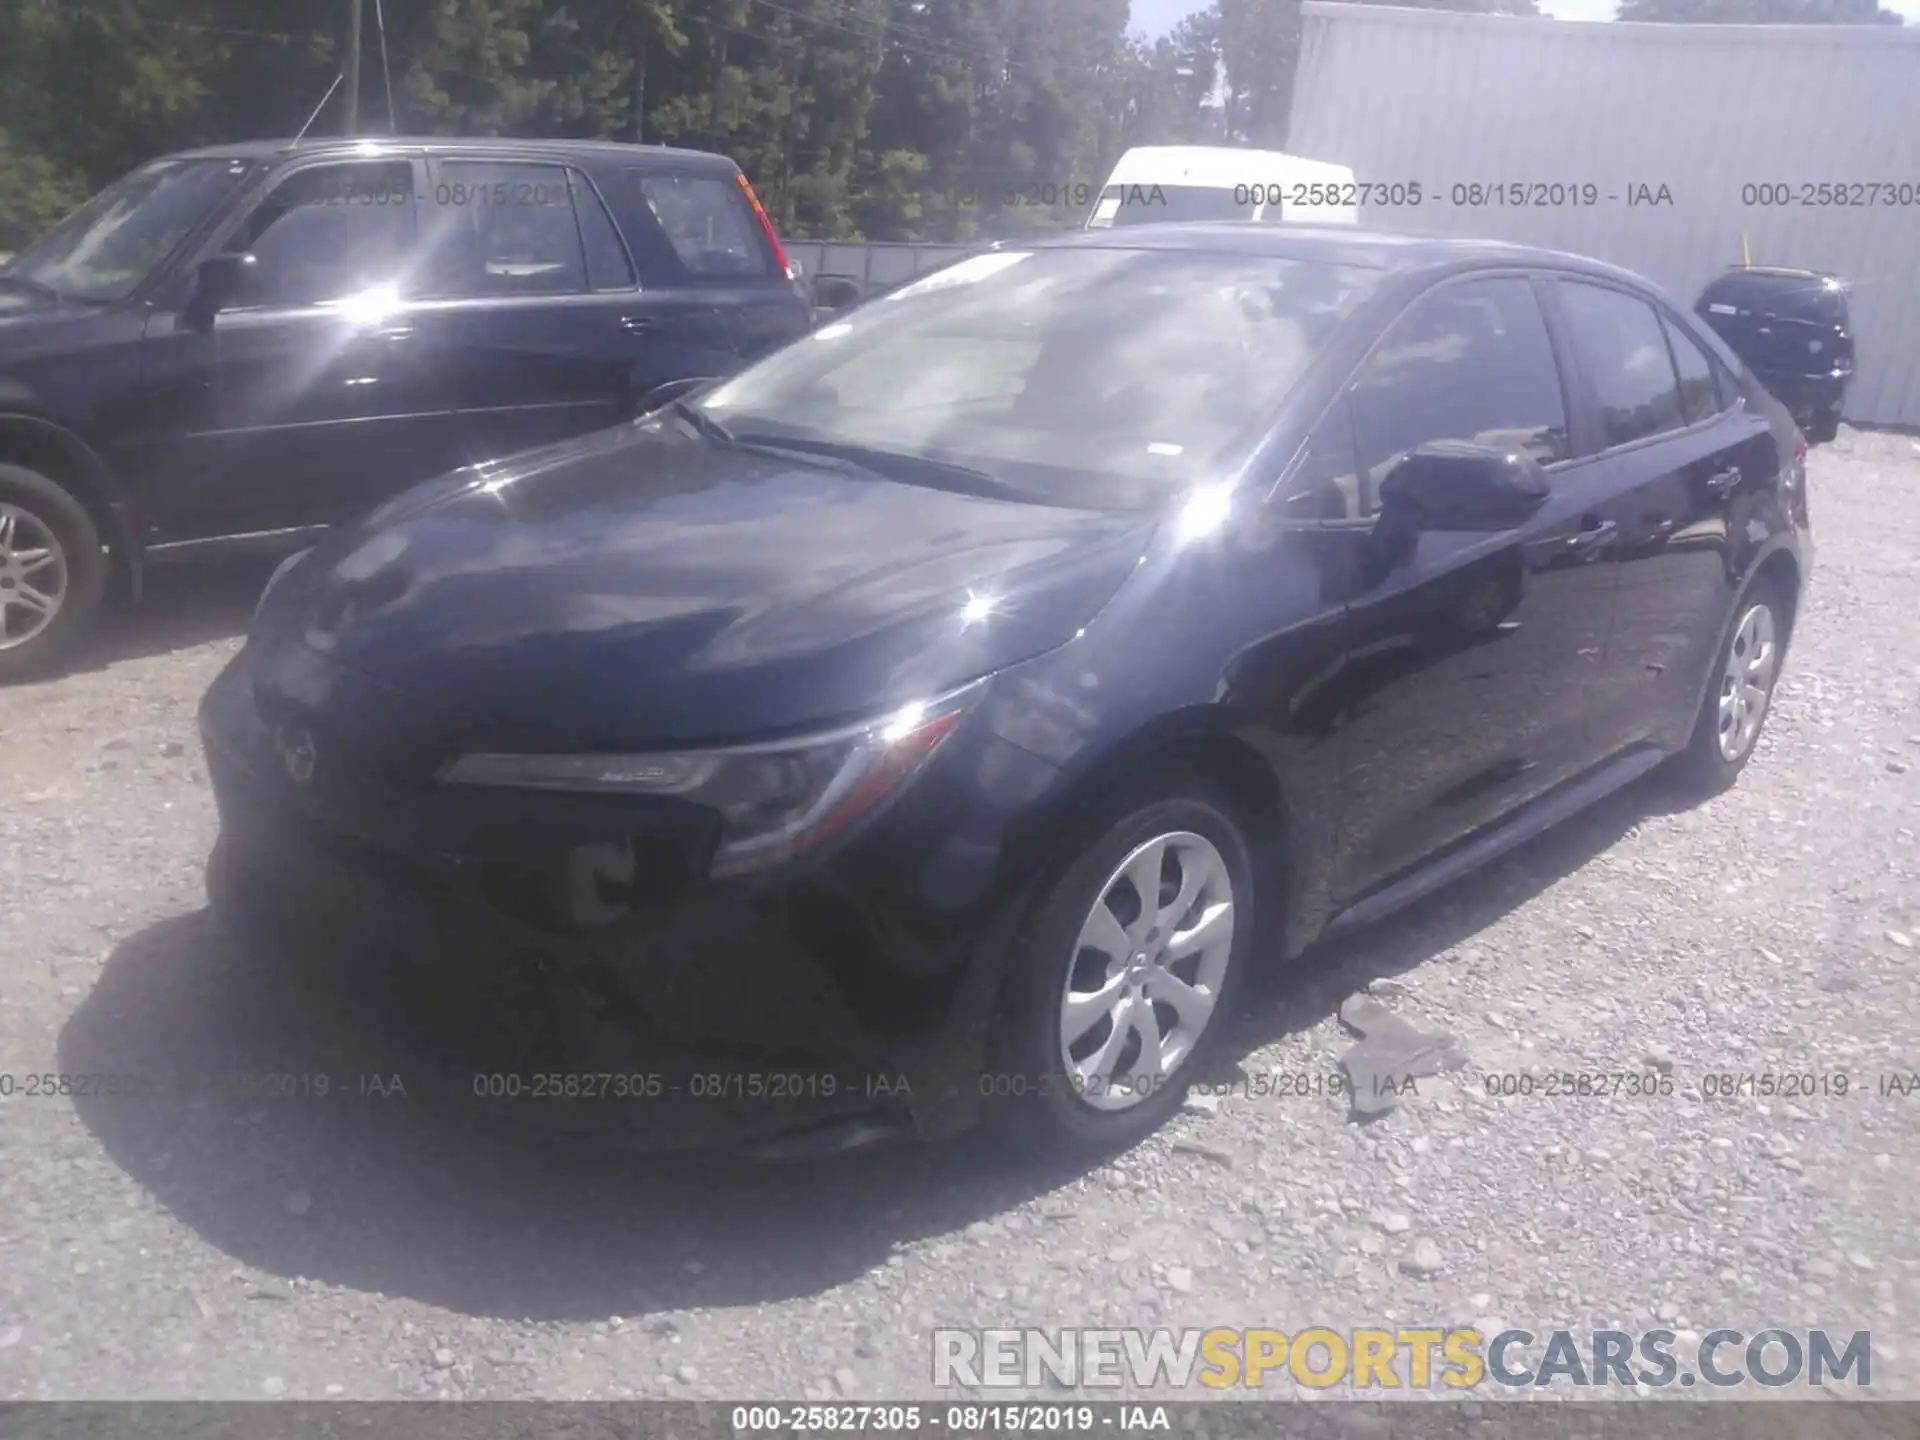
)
(308, 398)
(1469, 654)
(1675, 453)
(529, 303)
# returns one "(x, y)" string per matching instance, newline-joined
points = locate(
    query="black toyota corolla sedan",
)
(941, 716)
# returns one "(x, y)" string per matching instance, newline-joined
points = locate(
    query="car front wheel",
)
(52, 572)
(1124, 977)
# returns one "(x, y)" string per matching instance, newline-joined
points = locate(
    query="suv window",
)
(706, 220)
(1469, 361)
(1621, 348)
(504, 229)
(1699, 396)
(328, 232)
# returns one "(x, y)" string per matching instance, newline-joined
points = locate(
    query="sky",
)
(1157, 17)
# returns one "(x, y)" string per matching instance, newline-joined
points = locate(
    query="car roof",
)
(1735, 275)
(377, 145)
(1335, 245)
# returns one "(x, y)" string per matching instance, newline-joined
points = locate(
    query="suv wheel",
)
(53, 572)
(1125, 976)
(1740, 694)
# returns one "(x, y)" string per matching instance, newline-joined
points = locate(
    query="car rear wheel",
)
(53, 572)
(1735, 707)
(1123, 980)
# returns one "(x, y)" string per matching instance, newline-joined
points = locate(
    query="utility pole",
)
(353, 67)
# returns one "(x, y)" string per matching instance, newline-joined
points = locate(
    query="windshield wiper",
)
(711, 428)
(896, 465)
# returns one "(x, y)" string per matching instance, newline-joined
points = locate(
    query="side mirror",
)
(669, 391)
(218, 282)
(1457, 485)
(832, 294)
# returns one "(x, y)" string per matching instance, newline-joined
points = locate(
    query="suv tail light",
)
(766, 227)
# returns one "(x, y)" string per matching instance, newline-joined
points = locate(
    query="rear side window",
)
(1624, 355)
(1469, 361)
(1699, 396)
(701, 227)
(502, 229)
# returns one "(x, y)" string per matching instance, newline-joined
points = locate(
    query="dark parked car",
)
(949, 709)
(235, 346)
(1794, 330)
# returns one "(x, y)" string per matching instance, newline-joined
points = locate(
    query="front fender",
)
(44, 443)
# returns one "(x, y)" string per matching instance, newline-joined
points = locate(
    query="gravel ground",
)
(203, 1248)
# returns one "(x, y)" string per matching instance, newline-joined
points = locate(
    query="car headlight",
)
(280, 573)
(775, 800)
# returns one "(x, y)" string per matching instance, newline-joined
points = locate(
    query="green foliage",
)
(882, 119)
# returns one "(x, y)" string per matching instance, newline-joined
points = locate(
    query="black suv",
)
(238, 346)
(1793, 329)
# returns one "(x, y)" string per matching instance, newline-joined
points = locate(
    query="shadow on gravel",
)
(1285, 1001)
(184, 605)
(398, 1197)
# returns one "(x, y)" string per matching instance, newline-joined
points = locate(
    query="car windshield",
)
(1103, 378)
(103, 250)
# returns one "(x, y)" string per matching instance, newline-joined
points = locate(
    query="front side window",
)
(1104, 378)
(106, 248)
(1470, 361)
(1326, 484)
(329, 232)
(1624, 354)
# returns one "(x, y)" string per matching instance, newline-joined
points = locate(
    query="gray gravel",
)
(213, 1247)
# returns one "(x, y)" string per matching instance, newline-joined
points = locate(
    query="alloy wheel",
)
(1147, 970)
(33, 575)
(1746, 680)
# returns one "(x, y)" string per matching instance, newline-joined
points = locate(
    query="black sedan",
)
(940, 717)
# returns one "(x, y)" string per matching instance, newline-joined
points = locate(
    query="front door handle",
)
(1724, 480)
(638, 324)
(1593, 536)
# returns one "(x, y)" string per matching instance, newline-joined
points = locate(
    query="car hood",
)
(641, 586)
(21, 311)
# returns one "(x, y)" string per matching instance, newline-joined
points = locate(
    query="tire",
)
(46, 524)
(1823, 427)
(1723, 742)
(1031, 1096)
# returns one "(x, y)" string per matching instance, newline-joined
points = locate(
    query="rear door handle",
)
(1592, 536)
(1724, 480)
(638, 324)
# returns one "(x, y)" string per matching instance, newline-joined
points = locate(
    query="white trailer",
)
(1663, 148)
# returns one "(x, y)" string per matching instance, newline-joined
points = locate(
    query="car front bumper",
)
(791, 1013)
